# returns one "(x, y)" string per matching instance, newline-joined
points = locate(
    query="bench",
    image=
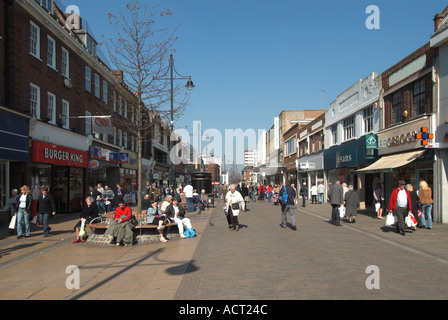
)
(140, 217)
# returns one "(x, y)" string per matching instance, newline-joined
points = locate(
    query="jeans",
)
(269, 194)
(320, 197)
(190, 205)
(100, 205)
(43, 219)
(22, 217)
(426, 214)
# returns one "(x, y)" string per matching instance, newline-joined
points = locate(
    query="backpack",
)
(284, 198)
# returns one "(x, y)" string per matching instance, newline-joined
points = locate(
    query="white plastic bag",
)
(342, 211)
(410, 221)
(377, 206)
(390, 219)
(12, 224)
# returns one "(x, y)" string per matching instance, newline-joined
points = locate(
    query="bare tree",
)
(141, 51)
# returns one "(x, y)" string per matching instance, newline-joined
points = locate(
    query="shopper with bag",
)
(335, 195)
(400, 203)
(23, 204)
(287, 195)
(415, 200)
(234, 203)
(380, 203)
(351, 204)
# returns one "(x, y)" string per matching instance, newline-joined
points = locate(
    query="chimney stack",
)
(118, 74)
(438, 18)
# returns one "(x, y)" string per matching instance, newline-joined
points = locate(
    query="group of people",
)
(105, 198)
(20, 206)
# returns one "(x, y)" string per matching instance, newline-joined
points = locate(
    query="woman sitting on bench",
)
(154, 216)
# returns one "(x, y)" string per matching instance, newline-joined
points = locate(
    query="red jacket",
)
(394, 197)
(126, 211)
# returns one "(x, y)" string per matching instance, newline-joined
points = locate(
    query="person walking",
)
(304, 193)
(314, 194)
(378, 194)
(288, 194)
(46, 208)
(351, 204)
(426, 201)
(336, 200)
(24, 203)
(320, 192)
(234, 203)
(400, 203)
(188, 190)
(414, 202)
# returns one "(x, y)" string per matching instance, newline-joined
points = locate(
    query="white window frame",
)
(65, 108)
(125, 109)
(51, 52)
(47, 4)
(35, 100)
(88, 123)
(65, 63)
(51, 107)
(125, 140)
(290, 143)
(34, 40)
(88, 79)
(334, 135)
(114, 103)
(368, 118)
(349, 128)
(120, 138)
(97, 85)
(105, 91)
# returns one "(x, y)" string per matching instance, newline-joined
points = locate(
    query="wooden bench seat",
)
(141, 219)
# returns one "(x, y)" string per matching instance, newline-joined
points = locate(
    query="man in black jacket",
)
(45, 208)
(288, 207)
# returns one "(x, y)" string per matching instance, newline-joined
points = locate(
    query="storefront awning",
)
(387, 163)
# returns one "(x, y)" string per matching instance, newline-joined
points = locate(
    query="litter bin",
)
(202, 181)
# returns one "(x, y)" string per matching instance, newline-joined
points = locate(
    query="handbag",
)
(12, 224)
(235, 206)
(390, 219)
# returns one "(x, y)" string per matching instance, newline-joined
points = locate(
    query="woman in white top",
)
(234, 202)
(24, 204)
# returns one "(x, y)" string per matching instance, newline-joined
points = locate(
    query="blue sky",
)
(252, 59)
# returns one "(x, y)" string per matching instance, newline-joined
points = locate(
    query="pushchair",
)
(276, 201)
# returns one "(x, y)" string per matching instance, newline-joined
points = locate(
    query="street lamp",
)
(174, 75)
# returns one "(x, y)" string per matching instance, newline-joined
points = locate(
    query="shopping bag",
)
(82, 230)
(190, 233)
(12, 223)
(342, 211)
(390, 219)
(410, 221)
(377, 206)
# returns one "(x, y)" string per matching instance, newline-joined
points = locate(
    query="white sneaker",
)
(182, 236)
(163, 240)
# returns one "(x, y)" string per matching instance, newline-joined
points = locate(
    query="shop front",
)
(63, 170)
(14, 153)
(402, 157)
(104, 166)
(341, 162)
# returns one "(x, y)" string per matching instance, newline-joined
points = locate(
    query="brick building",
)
(56, 81)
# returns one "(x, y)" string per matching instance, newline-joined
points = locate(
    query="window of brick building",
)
(34, 40)
(419, 98)
(396, 107)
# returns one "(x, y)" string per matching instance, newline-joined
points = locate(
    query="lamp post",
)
(174, 75)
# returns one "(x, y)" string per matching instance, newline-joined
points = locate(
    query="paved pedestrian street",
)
(261, 261)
